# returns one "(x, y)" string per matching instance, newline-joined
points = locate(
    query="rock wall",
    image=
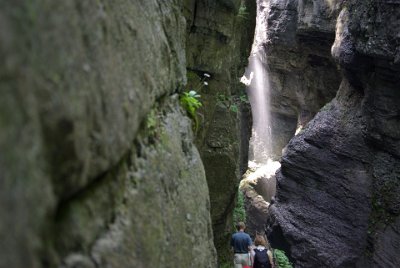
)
(303, 75)
(337, 202)
(220, 34)
(98, 167)
(296, 37)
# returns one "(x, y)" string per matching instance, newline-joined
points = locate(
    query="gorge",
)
(100, 165)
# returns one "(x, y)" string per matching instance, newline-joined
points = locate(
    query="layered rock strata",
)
(98, 167)
(337, 202)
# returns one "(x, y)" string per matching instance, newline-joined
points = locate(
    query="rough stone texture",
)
(302, 73)
(256, 211)
(159, 206)
(79, 187)
(297, 37)
(256, 192)
(323, 188)
(218, 43)
(337, 201)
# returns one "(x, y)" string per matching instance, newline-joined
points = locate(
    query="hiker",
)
(261, 256)
(240, 244)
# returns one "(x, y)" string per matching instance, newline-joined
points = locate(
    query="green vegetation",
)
(197, 82)
(152, 122)
(243, 98)
(281, 260)
(226, 265)
(227, 101)
(190, 102)
(234, 108)
(243, 13)
(222, 98)
(239, 213)
(232, 102)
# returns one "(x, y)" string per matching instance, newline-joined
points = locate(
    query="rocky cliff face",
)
(297, 37)
(219, 38)
(303, 75)
(98, 167)
(337, 202)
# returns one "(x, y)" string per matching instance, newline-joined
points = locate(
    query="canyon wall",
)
(303, 75)
(219, 37)
(98, 165)
(296, 37)
(337, 202)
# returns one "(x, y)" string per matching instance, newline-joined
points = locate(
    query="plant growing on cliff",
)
(196, 82)
(281, 260)
(152, 122)
(229, 102)
(190, 100)
(243, 14)
(243, 98)
(191, 103)
(234, 108)
(239, 213)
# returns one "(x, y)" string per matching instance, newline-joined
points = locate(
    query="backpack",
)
(261, 259)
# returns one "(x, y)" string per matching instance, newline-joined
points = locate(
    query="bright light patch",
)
(263, 170)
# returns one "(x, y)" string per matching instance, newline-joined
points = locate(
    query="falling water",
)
(256, 79)
(258, 92)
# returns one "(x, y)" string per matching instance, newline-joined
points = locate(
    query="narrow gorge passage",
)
(258, 183)
(127, 127)
(333, 78)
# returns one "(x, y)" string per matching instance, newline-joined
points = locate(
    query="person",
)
(241, 243)
(261, 256)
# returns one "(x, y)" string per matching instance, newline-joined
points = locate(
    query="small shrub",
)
(191, 103)
(152, 122)
(221, 97)
(281, 260)
(229, 102)
(239, 213)
(234, 108)
(243, 14)
(243, 98)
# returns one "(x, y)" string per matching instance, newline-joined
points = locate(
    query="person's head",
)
(260, 241)
(240, 226)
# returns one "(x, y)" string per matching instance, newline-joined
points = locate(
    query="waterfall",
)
(256, 78)
(259, 91)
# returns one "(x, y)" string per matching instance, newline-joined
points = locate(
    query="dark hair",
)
(240, 226)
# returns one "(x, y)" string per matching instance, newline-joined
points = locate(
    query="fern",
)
(281, 260)
(190, 102)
